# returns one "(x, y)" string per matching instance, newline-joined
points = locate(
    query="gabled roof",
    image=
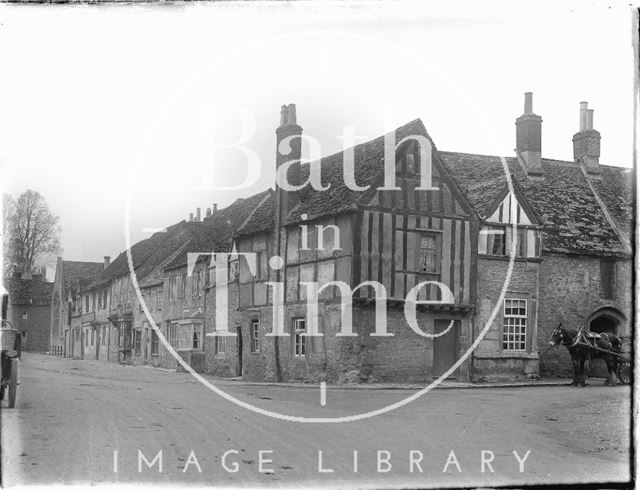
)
(338, 198)
(216, 231)
(567, 209)
(149, 249)
(76, 274)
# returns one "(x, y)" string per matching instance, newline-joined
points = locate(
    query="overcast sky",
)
(98, 100)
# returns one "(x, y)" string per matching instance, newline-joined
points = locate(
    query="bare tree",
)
(30, 231)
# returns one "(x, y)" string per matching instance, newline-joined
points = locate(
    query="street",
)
(93, 422)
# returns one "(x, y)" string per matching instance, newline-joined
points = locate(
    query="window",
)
(159, 299)
(234, 268)
(299, 346)
(154, 343)
(181, 280)
(255, 336)
(221, 344)
(86, 304)
(103, 335)
(137, 341)
(262, 266)
(86, 337)
(514, 329)
(171, 335)
(211, 281)
(93, 336)
(521, 246)
(25, 315)
(607, 278)
(427, 257)
(495, 240)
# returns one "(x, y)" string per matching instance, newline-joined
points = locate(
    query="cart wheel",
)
(13, 383)
(624, 372)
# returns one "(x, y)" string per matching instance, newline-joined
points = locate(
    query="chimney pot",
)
(198, 214)
(107, 261)
(528, 103)
(583, 115)
(590, 119)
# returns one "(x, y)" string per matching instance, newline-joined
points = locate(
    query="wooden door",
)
(446, 347)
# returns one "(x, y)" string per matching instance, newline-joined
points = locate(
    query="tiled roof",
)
(569, 212)
(368, 165)
(140, 253)
(79, 274)
(215, 232)
(33, 292)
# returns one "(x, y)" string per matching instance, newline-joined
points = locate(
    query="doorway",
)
(445, 347)
(239, 364)
(602, 323)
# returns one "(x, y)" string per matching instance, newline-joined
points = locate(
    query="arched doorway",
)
(606, 320)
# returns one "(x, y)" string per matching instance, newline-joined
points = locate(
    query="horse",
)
(578, 343)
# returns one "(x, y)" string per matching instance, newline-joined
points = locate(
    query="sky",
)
(118, 114)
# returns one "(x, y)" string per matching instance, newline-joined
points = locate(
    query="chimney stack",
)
(529, 137)
(215, 207)
(288, 128)
(198, 214)
(190, 216)
(586, 142)
(107, 261)
(208, 212)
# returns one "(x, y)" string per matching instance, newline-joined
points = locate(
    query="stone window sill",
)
(506, 355)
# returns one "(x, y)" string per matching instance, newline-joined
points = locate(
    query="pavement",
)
(89, 422)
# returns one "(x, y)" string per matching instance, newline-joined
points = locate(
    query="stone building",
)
(409, 249)
(70, 278)
(567, 222)
(30, 308)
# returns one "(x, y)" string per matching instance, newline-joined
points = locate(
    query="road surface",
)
(93, 422)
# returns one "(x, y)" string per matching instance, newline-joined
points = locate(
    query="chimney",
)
(586, 142)
(288, 127)
(107, 261)
(198, 214)
(208, 212)
(190, 216)
(215, 207)
(529, 137)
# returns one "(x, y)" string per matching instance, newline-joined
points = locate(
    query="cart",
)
(10, 353)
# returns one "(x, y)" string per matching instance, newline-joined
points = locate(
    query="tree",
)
(30, 231)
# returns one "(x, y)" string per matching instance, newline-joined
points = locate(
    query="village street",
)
(71, 416)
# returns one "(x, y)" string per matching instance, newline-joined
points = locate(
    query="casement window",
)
(211, 277)
(234, 270)
(86, 337)
(171, 335)
(195, 284)
(180, 280)
(428, 254)
(221, 344)
(514, 326)
(93, 336)
(262, 263)
(154, 343)
(25, 315)
(137, 341)
(299, 344)
(496, 243)
(159, 299)
(255, 336)
(86, 303)
(607, 278)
